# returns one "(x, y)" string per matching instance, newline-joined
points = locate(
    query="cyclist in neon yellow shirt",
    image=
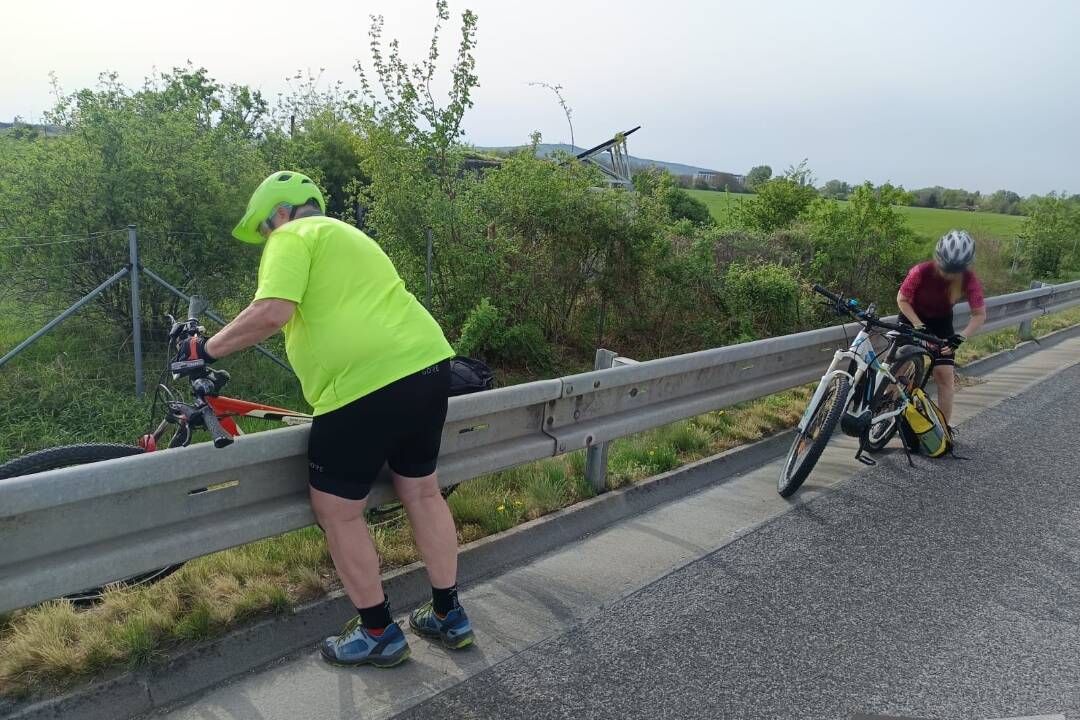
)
(373, 363)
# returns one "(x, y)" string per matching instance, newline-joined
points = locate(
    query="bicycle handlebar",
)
(196, 306)
(849, 308)
(822, 291)
(217, 433)
(201, 388)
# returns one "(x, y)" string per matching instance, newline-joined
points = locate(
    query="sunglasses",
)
(265, 228)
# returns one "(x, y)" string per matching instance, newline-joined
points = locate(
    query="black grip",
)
(908, 330)
(217, 433)
(822, 291)
(929, 338)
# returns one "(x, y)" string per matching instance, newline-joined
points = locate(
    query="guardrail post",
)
(1025, 332)
(136, 315)
(596, 456)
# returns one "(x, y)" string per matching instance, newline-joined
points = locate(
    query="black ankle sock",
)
(444, 600)
(376, 617)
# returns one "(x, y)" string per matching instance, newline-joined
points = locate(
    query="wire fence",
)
(42, 277)
(71, 297)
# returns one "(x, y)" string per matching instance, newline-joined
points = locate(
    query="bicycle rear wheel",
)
(393, 512)
(68, 456)
(808, 444)
(912, 369)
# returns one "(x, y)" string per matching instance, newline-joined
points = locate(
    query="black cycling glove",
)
(193, 348)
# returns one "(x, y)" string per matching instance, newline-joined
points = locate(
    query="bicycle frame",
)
(226, 409)
(862, 353)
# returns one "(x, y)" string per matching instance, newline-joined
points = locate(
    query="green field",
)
(928, 222)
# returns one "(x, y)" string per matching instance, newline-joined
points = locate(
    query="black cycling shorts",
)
(943, 328)
(400, 425)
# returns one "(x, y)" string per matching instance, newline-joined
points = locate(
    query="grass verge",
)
(53, 645)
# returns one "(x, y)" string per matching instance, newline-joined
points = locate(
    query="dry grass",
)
(55, 644)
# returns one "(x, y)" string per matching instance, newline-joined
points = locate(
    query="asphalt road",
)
(948, 591)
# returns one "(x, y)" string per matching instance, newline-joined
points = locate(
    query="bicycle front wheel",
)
(68, 456)
(808, 444)
(910, 370)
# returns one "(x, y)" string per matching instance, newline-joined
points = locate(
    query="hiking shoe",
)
(356, 646)
(454, 630)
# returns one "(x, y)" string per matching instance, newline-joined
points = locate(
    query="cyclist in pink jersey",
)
(926, 301)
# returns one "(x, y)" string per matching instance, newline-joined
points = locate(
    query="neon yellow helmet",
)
(283, 187)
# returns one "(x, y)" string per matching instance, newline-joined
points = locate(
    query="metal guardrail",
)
(65, 530)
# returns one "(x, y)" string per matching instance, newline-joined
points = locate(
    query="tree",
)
(176, 157)
(315, 132)
(758, 175)
(1048, 236)
(929, 197)
(1003, 201)
(414, 157)
(801, 174)
(663, 185)
(567, 110)
(865, 246)
(836, 190)
(778, 203)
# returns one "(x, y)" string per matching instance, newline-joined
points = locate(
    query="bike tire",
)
(924, 366)
(393, 511)
(791, 479)
(83, 454)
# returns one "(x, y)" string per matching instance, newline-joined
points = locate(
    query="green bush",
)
(680, 204)
(777, 204)
(863, 247)
(486, 334)
(1049, 236)
(764, 298)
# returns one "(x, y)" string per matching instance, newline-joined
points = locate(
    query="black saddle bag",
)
(468, 376)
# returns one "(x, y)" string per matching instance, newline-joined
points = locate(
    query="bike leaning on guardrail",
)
(207, 410)
(863, 391)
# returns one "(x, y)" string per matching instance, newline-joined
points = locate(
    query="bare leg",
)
(432, 526)
(945, 379)
(351, 548)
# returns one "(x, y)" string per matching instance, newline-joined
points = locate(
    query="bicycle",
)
(208, 410)
(863, 391)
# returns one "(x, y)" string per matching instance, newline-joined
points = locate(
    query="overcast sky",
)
(980, 94)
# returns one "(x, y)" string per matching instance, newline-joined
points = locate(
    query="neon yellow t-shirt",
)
(356, 328)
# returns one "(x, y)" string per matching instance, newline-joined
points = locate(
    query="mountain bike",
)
(206, 410)
(863, 391)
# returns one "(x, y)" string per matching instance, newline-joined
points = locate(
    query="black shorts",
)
(943, 328)
(400, 425)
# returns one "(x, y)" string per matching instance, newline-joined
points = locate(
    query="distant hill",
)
(547, 149)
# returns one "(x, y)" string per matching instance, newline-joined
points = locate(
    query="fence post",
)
(136, 315)
(1025, 332)
(596, 456)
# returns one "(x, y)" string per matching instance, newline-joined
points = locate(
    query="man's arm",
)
(258, 321)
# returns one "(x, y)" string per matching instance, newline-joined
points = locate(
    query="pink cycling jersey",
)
(928, 291)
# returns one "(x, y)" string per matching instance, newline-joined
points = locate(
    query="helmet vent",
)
(284, 176)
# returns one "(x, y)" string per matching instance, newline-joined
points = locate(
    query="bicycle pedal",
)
(866, 461)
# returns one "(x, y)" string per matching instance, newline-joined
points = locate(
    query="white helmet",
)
(955, 251)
